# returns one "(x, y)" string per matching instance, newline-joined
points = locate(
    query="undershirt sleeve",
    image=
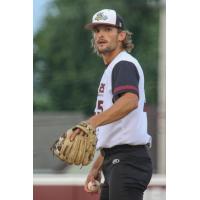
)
(125, 78)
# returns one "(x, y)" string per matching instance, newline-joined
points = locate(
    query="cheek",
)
(115, 39)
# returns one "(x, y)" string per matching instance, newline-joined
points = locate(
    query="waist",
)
(122, 148)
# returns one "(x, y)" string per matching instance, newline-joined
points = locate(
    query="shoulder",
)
(125, 64)
(124, 58)
(128, 57)
(125, 67)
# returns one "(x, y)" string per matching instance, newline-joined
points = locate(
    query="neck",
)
(109, 56)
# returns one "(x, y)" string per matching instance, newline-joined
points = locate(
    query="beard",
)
(105, 50)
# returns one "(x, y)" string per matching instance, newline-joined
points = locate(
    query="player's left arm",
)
(122, 106)
(125, 82)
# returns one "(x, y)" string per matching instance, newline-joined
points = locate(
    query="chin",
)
(105, 50)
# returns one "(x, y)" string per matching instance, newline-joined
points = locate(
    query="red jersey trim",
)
(125, 87)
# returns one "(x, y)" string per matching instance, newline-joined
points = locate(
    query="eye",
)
(108, 29)
(95, 30)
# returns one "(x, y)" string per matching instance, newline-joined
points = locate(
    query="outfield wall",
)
(70, 187)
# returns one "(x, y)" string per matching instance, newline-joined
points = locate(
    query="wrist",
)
(96, 169)
(92, 122)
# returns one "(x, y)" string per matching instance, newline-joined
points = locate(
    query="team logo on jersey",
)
(115, 161)
(100, 16)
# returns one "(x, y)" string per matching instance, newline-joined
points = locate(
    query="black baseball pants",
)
(127, 171)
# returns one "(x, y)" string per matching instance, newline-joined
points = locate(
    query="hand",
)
(93, 175)
(72, 134)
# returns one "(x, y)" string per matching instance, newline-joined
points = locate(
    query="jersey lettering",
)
(102, 87)
(100, 105)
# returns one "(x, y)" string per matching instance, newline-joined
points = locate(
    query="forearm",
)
(98, 162)
(120, 108)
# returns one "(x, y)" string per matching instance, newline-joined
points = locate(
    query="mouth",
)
(101, 42)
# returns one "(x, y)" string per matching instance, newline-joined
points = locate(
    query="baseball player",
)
(120, 120)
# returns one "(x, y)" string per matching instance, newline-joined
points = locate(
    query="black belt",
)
(121, 148)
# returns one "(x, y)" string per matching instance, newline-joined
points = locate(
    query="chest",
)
(105, 85)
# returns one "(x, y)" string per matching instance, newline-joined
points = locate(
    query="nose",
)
(100, 34)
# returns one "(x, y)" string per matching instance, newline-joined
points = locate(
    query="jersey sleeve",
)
(125, 78)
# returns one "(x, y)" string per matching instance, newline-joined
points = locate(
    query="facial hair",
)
(105, 50)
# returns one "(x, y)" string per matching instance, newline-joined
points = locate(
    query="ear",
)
(121, 36)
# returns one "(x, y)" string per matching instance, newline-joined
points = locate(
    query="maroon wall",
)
(61, 192)
(69, 192)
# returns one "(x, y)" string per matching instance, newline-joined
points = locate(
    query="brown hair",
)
(127, 43)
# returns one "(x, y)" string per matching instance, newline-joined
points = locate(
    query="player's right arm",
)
(95, 172)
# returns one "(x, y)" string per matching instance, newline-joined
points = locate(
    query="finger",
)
(86, 187)
(74, 134)
(89, 178)
(69, 133)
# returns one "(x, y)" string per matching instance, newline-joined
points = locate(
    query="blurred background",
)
(66, 75)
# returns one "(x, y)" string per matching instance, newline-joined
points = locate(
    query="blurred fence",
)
(70, 187)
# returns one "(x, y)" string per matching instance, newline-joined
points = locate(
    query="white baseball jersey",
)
(123, 74)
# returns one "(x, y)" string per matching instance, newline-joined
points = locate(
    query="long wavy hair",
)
(127, 43)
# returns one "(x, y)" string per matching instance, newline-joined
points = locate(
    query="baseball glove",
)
(81, 150)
